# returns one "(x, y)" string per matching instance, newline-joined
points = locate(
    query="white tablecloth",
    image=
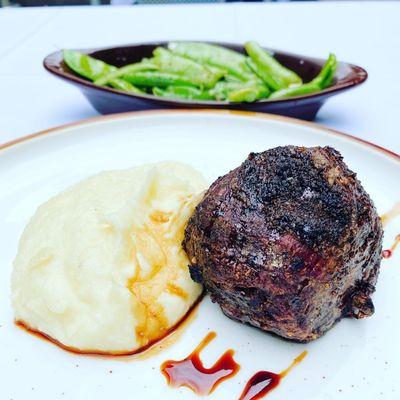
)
(365, 33)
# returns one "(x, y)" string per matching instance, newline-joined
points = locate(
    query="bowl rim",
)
(52, 63)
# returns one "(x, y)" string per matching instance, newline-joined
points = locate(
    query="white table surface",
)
(365, 33)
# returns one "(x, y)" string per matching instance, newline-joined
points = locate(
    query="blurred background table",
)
(365, 33)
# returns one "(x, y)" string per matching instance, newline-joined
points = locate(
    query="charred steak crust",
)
(289, 242)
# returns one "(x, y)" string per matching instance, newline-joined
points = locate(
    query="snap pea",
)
(248, 93)
(217, 70)
(269, 66)
(321, 81)
(268, 79)
(147, 65)
(86, 66)
(199, 74)
(156, 78)
(239, 91)
(121, 84)
(325, 76)
(95, 69)
(306, 88)
(183, 92)
(232, 78)
(221, 90)
(231, 61)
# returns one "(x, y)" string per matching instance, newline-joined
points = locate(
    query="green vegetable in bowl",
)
(269, 69)
(325, 77)
(157, 78)
(301, 90)
(125, 86)
(268, 79)
(85, 65)
(240, 91)
(183, 92)
(93, 69)
(231, 61)
(249, 93)
(198, 73)
(221, 90)
(320, 82)
(125, 70)
(201, 71)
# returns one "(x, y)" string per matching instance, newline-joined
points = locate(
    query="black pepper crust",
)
(289, 242)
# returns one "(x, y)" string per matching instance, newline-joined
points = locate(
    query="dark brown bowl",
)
(107, 100)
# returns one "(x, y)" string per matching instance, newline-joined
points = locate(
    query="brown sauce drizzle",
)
(264, 382)
(389, 252)
(191, 373)
(148, 348)
(391, 214)
(177, 291)
(386, 219)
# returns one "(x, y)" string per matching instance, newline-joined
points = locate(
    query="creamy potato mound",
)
(100, 266)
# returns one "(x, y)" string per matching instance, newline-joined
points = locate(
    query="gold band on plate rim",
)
(270, 117)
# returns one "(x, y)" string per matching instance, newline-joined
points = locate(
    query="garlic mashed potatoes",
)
(100, 267)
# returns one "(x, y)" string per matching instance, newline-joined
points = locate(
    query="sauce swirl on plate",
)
(263, 382)
(191, 373)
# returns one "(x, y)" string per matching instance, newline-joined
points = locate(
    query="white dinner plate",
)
(357, 359)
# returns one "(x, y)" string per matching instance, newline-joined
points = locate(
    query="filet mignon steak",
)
(289, 242)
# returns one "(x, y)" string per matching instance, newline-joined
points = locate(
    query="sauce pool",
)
(264, 382)
(191, 373)
(259, 385)
(389, 252)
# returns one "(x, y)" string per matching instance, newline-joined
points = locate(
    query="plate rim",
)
(31, 138)
(252, 114)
